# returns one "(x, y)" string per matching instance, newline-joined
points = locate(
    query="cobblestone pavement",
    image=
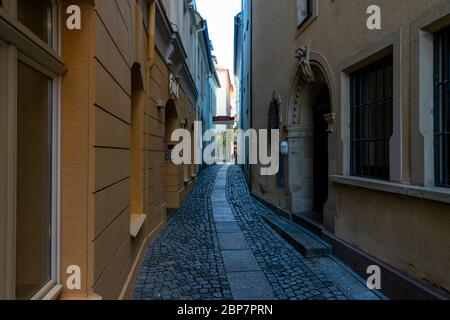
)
(217, 247)
(184, 262)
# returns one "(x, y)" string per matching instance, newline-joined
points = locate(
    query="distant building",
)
(224, 94)
(242, 71)
(206, 76)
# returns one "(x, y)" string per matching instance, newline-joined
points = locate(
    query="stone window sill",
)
(136, 224)
(305, 24)
(425, 193)
(54, 293)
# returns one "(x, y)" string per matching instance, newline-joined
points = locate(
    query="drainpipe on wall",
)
(151, 33)
(150, 62)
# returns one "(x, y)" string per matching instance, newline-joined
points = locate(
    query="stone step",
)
(308, 244)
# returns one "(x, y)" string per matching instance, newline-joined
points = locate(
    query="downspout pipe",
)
(151, 33)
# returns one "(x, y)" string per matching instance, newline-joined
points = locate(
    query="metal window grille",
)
(371, 120)
(442, 107)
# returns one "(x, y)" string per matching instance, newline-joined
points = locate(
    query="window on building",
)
(34, 181)
(29, 97)
(442, 107)
(36, 15)
(304, 10)
(371, 120)
(145, 18)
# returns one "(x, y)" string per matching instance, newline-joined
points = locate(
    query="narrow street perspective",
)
(218, 246)
(225, 150)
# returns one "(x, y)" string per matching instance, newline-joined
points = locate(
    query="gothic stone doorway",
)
(309, 148)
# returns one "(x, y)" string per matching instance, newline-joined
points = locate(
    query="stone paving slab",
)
(250, 286)
(227, 227)
(216, 203)
(232, 241)
(224, 218)
(240, 260)
(222, 210)
(219, 196)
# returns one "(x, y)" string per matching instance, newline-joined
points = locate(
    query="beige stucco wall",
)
(403, 230)
(96, 159)
(412, 235)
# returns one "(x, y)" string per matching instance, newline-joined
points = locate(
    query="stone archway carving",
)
(312, 76)
(314, 63)
(302, 54)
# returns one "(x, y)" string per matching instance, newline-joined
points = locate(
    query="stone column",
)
(330, 207)
(301, 155)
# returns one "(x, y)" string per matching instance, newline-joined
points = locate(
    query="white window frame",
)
(24, 46)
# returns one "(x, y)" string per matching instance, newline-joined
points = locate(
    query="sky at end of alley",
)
(220, 16)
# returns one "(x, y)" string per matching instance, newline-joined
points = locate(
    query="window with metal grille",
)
(442, 107)
(371, 120)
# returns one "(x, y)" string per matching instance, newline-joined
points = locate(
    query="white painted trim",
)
(15, 33)
(44, 290)
(54, 293)
(136, 223)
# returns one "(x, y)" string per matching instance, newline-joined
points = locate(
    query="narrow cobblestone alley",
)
(217, 247)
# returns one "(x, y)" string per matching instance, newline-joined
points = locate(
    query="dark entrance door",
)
(321, 154)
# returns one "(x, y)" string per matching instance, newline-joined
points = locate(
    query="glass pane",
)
(304, 10)
(36, 15)
(34, 182)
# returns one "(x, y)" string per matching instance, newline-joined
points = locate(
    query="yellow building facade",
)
(102, 179)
